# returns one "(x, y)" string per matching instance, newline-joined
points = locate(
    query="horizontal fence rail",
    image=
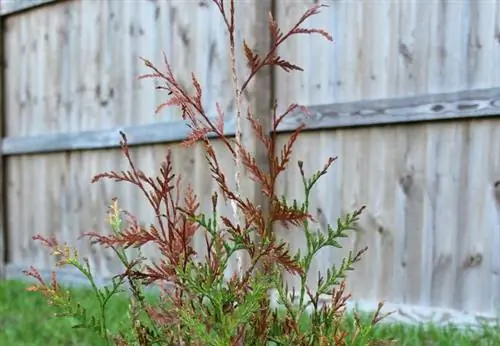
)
(429, 107)
(9, 7)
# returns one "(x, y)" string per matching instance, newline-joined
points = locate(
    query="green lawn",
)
(26, 319)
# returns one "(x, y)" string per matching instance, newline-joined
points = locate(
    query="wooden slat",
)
(261, 94)
(9, 7)
(136, 135)
(480, 103)
(419, 108)
(3, 246)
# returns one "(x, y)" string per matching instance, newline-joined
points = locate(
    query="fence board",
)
(386, 49)
(76, 206)
(3, 196)
(94, 47)
(430, 215)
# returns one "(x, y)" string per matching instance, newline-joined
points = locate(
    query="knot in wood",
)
(473, 260)
(406, 182)
(496, 191)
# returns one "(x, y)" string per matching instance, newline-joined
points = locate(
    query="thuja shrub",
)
(200, 305)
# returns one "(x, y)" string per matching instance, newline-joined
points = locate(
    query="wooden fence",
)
(408, 97)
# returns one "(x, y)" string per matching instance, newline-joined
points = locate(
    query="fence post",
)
(261, 93)
(3, 202)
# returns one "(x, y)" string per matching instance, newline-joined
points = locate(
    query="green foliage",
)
(26, 319)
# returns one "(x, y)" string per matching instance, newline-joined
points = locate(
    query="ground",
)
(26, 319)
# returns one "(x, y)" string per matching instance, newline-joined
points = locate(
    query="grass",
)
(26, 319)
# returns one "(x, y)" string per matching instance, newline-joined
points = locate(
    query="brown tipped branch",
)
(277, 38)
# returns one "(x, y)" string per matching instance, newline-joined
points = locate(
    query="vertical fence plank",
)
(3, 246)
(261, 92)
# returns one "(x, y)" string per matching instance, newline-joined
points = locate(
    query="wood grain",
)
(427, 107)
(90, 80)
(85, 140)
(9, 7)
(431, 217)
(389, 49)
(3, 231)
(260, 95)
(482, 103)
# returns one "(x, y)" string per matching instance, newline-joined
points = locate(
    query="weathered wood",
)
(261, 95)
(481, 103)
(418, 108)
(60, 182)
(385, 49)
(424, 186)
(9, 7)
(3, 245)
(164, 132)
(97, 88)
